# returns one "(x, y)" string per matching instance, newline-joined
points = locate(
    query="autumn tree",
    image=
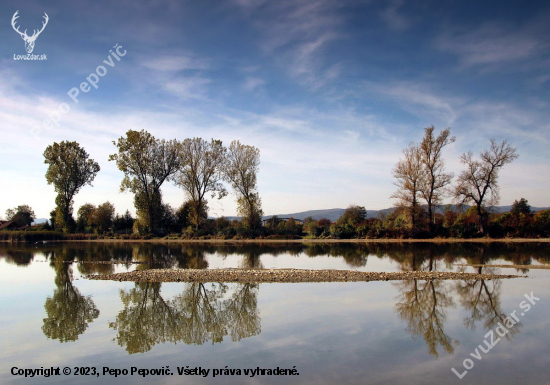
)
(201, 173)
(146, 163)
(435, 179)
(69, 170)
(478, 183)
(240, 170)
(410, 178)
(23, 215)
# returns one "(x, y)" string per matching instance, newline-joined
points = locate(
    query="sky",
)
(331, 92)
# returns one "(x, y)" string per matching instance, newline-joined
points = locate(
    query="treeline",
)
(198, 166)
(207, 169)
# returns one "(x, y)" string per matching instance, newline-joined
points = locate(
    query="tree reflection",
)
(481, 298)
(201, 313)
(68, 311)
(423, 304)
(243, 313)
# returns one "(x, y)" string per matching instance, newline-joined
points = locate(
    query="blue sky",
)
(330, 92)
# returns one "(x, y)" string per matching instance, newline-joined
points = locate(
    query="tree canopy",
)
(69, 169)
(147, 163)
(201, 173)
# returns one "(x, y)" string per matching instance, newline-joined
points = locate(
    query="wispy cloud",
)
(252, 83)
(189, 88)
(496, 44)
(418, 99)
(393, 18)
(297, 33)
(175, 63)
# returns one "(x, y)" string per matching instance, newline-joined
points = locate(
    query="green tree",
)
(201, 173)
(354, 215)
(123, 223)
(69, 170)
(521, 207)
(102, 217)
(241, 169)
(23, 215)
(435, 179)
(478, 183)
(146, 163)
(84, 217)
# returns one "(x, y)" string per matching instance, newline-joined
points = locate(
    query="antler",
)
(24, 34)
(13, 24)
(35, 34)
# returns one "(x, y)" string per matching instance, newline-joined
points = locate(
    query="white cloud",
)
(188, 88)
(252, 83)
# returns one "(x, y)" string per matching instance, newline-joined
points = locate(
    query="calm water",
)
(350, 333)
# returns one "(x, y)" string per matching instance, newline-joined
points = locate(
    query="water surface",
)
(401, 332)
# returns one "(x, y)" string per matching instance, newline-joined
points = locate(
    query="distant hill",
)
(39, 220)
(334, 214)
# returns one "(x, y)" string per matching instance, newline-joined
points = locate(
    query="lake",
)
(395, 332)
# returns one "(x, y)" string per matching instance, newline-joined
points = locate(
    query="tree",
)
(354, 215)
(102, 217)
(201, 173)
(23, 215)
(435, 178)
(84, 216)
(410, 178)
(241, 169)
(479, 182)
(521, 207)
(146, 163)
(69, 170)
(123, 223)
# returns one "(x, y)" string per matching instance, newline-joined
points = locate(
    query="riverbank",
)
(284, 275)
(326, 241)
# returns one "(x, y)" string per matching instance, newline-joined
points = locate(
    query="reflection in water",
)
(202, 313)
(68, 311)
(482, 300)
(197, 315)
(422, 305)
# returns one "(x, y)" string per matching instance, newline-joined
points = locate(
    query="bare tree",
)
(435, 179)
(201, 173)
(410, 177)
(479, 182)
(241, 171)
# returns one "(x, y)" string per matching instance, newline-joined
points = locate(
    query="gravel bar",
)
(283, 275)
(110, 262)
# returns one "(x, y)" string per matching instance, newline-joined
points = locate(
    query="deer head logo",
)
(29, 40)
